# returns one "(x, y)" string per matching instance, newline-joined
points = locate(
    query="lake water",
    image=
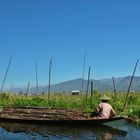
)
(16, 131)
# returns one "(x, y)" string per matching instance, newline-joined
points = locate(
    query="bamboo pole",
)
(28, 87)
(128, 91)
(2, 86)
(114, 87)
(83, 74)
(88, 83)
(49, 80)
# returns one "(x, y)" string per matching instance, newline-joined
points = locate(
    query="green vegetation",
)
(59, 100)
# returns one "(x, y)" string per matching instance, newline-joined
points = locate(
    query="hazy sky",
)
(35, 31)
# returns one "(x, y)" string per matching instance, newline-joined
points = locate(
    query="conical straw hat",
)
(104, 97)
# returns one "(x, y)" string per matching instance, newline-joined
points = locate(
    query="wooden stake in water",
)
(49, 79)
(88, 83)
(114, 87)
(2, 86)
(131, 80)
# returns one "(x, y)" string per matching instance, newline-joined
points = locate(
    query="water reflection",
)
(18, 131)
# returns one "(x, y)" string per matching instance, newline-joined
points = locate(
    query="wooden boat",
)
(51, 116)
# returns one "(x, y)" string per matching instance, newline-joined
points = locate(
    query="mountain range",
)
(121, 84)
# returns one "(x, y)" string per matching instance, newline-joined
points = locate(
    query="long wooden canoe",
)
(59, 121)
(50, 116)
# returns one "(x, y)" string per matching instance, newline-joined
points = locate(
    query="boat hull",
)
(59, 121)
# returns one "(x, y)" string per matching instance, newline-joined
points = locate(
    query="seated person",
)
(104, 109)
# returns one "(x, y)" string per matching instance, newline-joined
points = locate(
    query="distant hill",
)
(124, 83)
(121, 83)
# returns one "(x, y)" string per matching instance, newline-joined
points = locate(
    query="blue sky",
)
(38, 30)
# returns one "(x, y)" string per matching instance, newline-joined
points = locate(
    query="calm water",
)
(12, 131)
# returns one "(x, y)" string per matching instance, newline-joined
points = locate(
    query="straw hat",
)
(104, 97)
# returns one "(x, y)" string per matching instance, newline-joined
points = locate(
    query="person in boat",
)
(104, 109)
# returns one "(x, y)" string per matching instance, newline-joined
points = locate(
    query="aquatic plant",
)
(61, 100)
